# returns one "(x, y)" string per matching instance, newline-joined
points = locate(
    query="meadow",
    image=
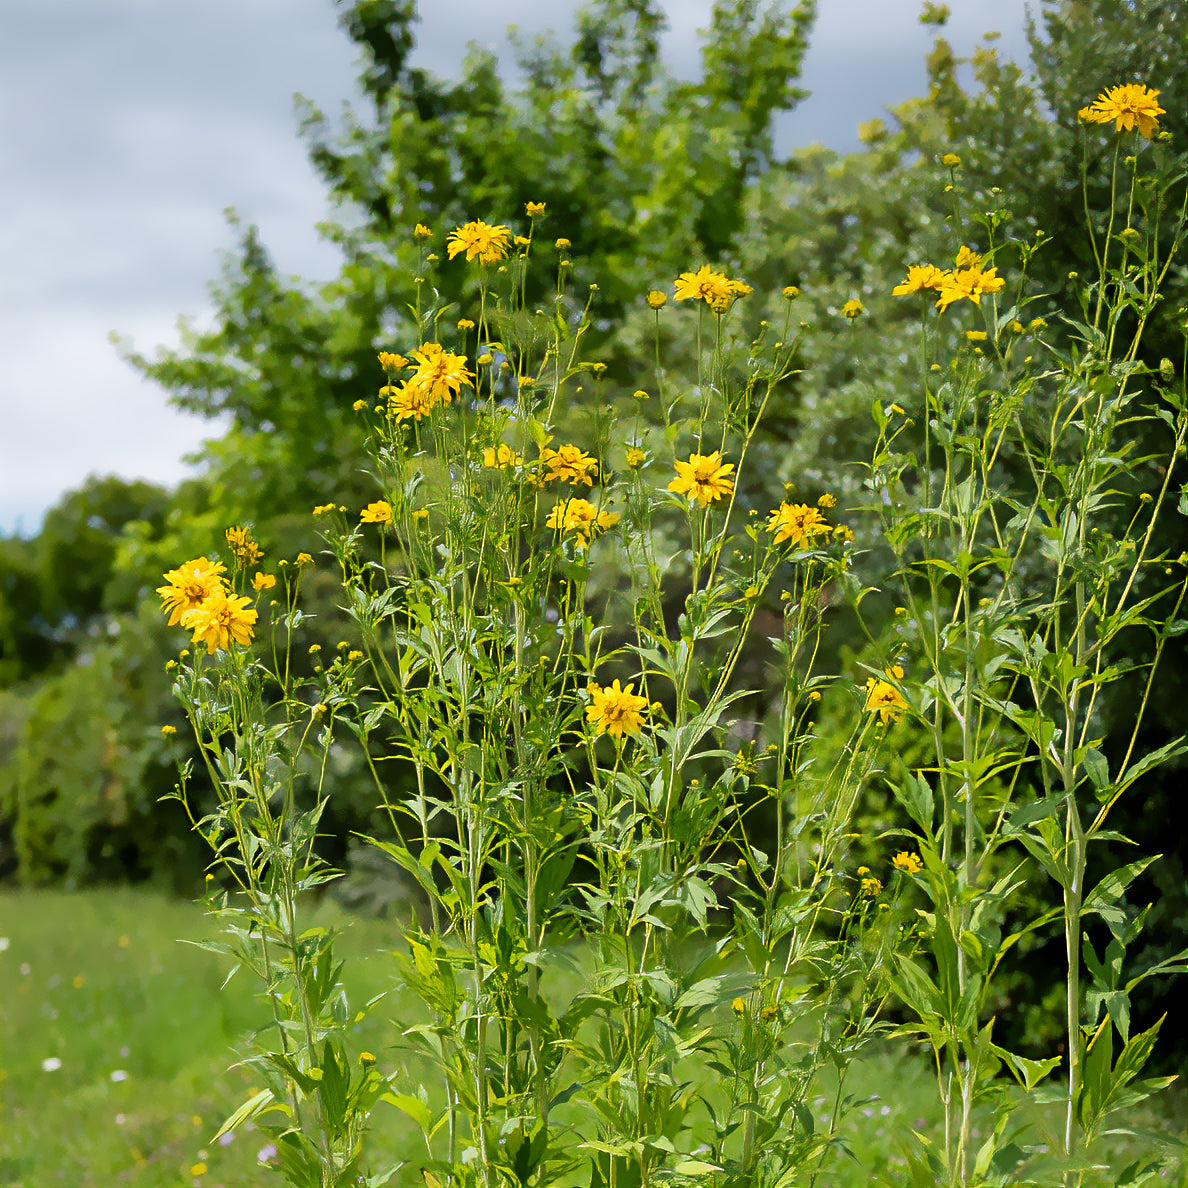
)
(147, 1039)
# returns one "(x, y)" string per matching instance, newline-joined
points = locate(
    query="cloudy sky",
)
(128, 126)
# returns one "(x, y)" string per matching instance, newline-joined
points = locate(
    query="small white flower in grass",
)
(120, 1119)
(4, 942)
(884, 1111)
(118, 1075)
(265, 1153)
(51, 1064)
(225, 1140)
(26, 969)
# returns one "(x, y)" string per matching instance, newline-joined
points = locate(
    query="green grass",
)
(99, 981)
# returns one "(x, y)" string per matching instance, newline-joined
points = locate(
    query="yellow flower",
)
(263, 581)
(409, 401)
(199, 1169)
(521, 241)
(534, 209)
(706, 285)
(569, 464)
(791, 292)
(656, 299)
(843, 533)
(246, 550)
(919, 277)
(562, 244)
(976, 335)
(366, 1058)
(615, 711)
(580, 519)
(379, 512)
(1129, 106)
(967, 258)
(796, 523)
(501, 457)
(907, 861)
(465, 324)
(704, 477)
(852, 308)
(883, 698)
(968, 284)
(827, 501)
(304, 559)
(189, 586)
(751, 592)
(871, 887)
(221, 619)
(359, 405)
(323, 509)
(392, 362)
(739, 1006)
(420, 231)
(635, 457)
(1015, 326)
(441, 373)
(486, 241)
(950, 160)
(167, 730)
(354, 654)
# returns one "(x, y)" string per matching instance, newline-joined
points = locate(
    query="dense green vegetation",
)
(655, 170)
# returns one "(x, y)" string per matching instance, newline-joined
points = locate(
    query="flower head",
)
(919, 277)
(704, 477)
(243, 545)
(441, 373)
(580, 519)
(907, 861)
(615, 711)
(870, 886)
(656, 299)
(189, 586)
(883, 698)
(420, 231)
(486, 241)
(221, 619)
(534, 209)
(968, 284)
(392, 362)
(1130, 106)
(263, 581)
(501, 457)
(561, 244)
(705, 284)
(379, 512)
(967, 258)
(635, 457)
(569, 464)
(796, 523)
(950, 160)
(853, 308)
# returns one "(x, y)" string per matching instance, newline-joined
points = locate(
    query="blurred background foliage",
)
(645, 174)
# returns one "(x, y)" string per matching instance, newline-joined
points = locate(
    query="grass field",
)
(117, 1052)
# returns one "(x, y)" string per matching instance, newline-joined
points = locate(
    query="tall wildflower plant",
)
(1028, 567)
(646, 955)
(587, 786)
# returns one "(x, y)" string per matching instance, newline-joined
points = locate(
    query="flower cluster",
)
(438, 376)
(581, 520)
(196, 596)
(967, 280)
